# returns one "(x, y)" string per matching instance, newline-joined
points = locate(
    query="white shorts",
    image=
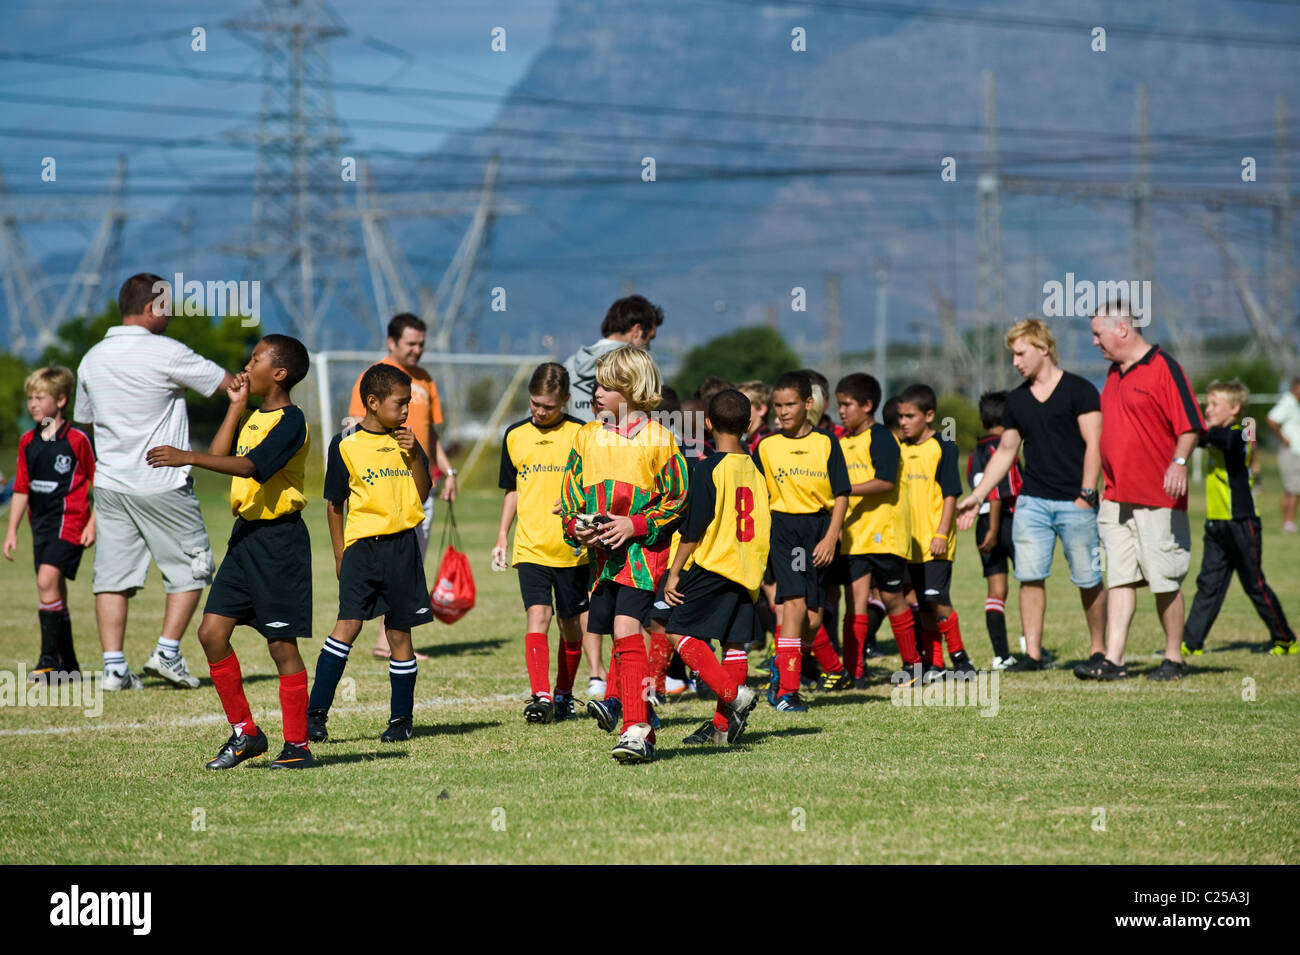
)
(1145, 544)
(166, 526)
(1288, 462)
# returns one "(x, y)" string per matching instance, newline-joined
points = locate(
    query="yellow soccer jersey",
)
(931, 471)
(804, 475)
(532, 463)
(369, 471)
(875, 523)
(728, 515)
(276, 442)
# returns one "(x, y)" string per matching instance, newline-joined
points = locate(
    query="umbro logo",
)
(798, 452)
(277, 624)
(253, 427)
(544, 442)
(422, 610)
(387, 447)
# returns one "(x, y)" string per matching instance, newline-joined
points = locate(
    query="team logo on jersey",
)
(544, 442)
(798, 452)
(253, 427)
(63, 464)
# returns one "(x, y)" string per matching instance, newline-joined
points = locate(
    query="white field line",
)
(213, 718)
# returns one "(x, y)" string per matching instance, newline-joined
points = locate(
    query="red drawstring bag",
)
(453, 590)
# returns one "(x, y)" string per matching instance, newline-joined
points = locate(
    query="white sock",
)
(168, 648)
(115, 662)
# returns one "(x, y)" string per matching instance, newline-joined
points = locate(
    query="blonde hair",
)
(1036, 332)
(631, 371)
(758, 392)
(53, 380)
(1234, 392)
(819, 400)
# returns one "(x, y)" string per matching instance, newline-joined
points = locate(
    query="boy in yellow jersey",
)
(725, 540)
(265, 578)
(624, 488)
(808, 486)
(930, 462)
(376, 480)
(533, 455)
(1232, 529)
(877, 527)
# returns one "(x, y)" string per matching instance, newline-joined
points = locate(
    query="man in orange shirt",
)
(405, 348)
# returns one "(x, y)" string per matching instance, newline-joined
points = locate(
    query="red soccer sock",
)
(827, 658)
(229, 681)
(736, 663)
(293, 707)
(697, 655)
(633, 672)
(936, 647)
(537, 657)
(951, 631)
(853, 637)
(661, 653)
(611, 676)
(905, 636)
(789, 661)
(567, 657)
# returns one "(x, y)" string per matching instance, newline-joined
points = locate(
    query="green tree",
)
(13, 409)
(965, 421)
(747, 353)
(225, 341)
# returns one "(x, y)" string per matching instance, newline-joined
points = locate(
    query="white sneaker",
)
(1002, 663)
(1289, 527)
(171, 669)
(596, 688)
(674, 687)
(127, 681)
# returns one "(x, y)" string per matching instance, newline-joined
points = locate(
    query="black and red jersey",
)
(1009, 487)
(57, 476)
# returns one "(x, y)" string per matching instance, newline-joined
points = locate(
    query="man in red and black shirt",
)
(1150, 424)
(56, 467)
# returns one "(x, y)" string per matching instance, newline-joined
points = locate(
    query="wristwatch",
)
(1181, 462)
(1089, 495)
(451, 472)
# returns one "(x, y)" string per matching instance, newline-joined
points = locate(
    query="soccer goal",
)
(479, 395)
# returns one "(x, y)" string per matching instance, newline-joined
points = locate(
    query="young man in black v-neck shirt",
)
(1057, 417)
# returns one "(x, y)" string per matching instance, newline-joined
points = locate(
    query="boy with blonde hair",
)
(56, 467)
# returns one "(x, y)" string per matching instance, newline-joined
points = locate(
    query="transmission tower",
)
(295, 248)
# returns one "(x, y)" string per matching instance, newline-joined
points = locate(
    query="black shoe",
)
(563, 704)
(873, 652)
(707, 735)
(1168, 670)
(607, 713)
(316, 731)
(293, 757)
(861, 682)
(45, 666)
(539, 710)
(1104, 670)
(961, 662)
(399, 730)
(237, 749)
(1025, 664)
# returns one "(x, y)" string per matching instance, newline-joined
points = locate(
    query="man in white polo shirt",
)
(131, 388)
(1284, 419)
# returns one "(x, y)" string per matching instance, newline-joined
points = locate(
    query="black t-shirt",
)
(1053, 444)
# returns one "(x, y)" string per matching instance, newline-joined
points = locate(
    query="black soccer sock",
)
(329, 670)
(67, 653)
(996, 621)
(875, 617)
(401, 675)
(49, 637)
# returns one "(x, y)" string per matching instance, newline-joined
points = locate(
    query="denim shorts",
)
(1039, 522)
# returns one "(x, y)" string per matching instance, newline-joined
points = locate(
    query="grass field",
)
(1137, 772)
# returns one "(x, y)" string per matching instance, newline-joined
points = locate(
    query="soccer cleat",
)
(907, 676)
(674, 686)
(767, 666)
(171, 669)
(44, 667)
(961, 662)
(1168, 670)
(873, 652)
(1283, 648)
(933, 674)
(790, 703)
(595, 686)
(1101, 670)
(831, 682)
(293, 757)
(1002, 663)
(399, 730)
(1193, 651)
(540, 710)
(774, 687)
(316, 731)
(634, 745)
(127, 681)
(861, 682)
(1025, 664)
(606, 713)
(707, 735)
(563, 704)
(237, 749)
